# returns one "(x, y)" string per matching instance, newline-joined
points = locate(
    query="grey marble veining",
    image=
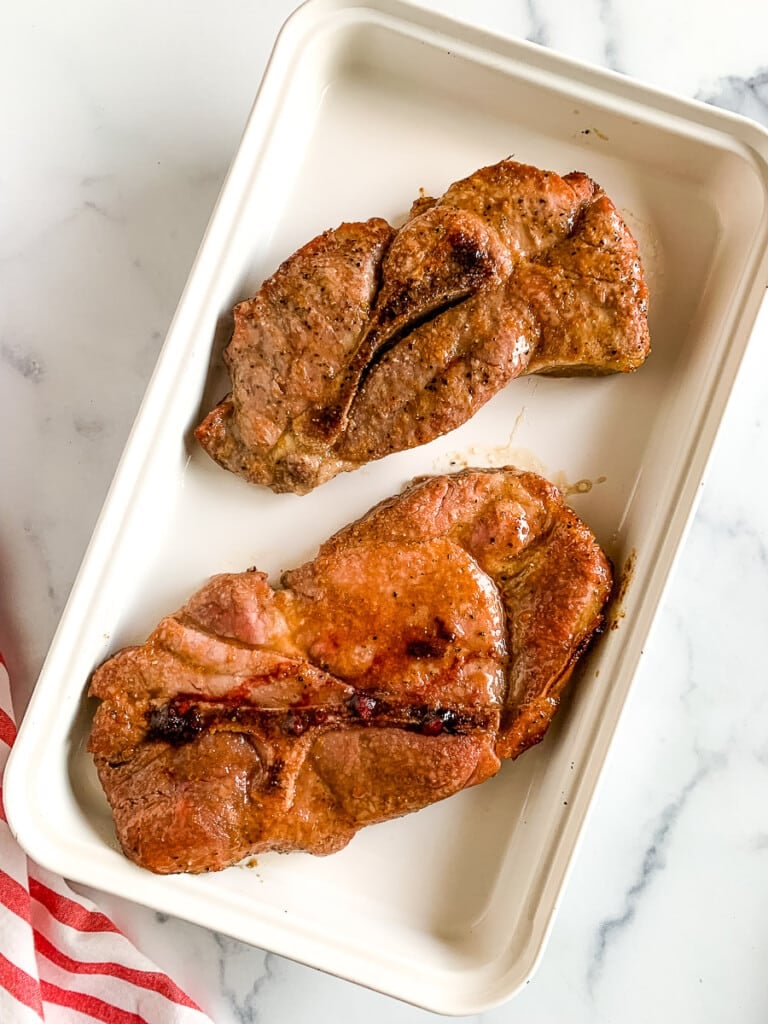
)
(746, 96)
(611, 35)
(652, 862)
(245, 1001)
(538, 31)
(115, 142)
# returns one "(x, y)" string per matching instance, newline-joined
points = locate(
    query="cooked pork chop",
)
(423, 644)
(368, 340)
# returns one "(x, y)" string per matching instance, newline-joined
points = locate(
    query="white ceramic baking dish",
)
(362, 105)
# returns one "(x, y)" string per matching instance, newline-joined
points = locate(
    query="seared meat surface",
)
(424, 643)
(368, 340)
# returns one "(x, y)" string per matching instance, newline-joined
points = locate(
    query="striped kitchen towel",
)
(62, 960)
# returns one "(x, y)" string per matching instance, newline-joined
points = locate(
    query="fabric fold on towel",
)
(61, 959)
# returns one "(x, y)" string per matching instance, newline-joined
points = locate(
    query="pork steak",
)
(369, 341)
(423, 644)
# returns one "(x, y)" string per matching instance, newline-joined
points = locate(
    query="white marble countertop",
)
(117, 125)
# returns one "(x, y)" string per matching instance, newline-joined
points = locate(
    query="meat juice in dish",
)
(371, 340)
(424, 644)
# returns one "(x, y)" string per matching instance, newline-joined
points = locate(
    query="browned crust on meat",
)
(368, 341)
(423, 644)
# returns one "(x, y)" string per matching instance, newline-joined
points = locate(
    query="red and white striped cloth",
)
(61, 960)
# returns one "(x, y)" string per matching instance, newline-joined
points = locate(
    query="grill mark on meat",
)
(184, 718)
(475, 263)
(497, 225)
(207, 754)
(402, 334)
(275, 773)
(440, 720)
(327, 420)
(364, 706)
(176, 723)
(431, 648)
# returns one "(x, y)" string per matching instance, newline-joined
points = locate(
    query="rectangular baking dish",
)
(361, 105)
